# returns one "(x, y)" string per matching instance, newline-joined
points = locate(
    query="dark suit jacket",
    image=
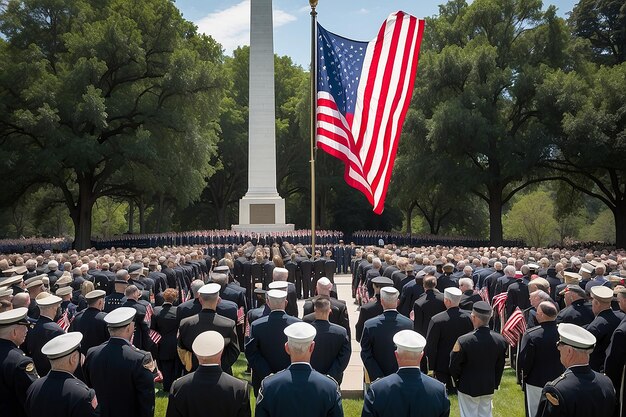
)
(517, 296)
(425, 307)
(578, 313)
(164, 322)
(477, 362)
(602, 327)
(124, 386)
(17, 373)
(410, 292)
(377, 348)
(209, 387)
(369, 310)
(468, 299)
(187, 309)
(91, 324)
(615, 361)
(444, 329)
(299, 390)
(60, 394)
(332, 349)
(338, 313)
(44, 331)
(204, 321)
(265, 350)
(539, 360)
(407, 392)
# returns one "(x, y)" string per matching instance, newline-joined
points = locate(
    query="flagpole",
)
(313, 4)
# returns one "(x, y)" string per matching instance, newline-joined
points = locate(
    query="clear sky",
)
(228, 21)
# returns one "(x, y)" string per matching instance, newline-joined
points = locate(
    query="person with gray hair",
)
(443, 331)
(377, 351)
(373, 272)
(469, 297)
(316, 393)
(281, 274)
(477, 364)
(408, 389)
(190, 307)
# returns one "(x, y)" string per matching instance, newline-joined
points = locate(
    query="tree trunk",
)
(81, 215)
(131, 215)
(619, 213)
(221, 216)
(409, 218)
(160, 213)
(142, 216)
(495, 217)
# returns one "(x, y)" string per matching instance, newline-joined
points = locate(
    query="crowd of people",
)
(96, 329)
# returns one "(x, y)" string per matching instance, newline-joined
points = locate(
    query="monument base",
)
(262, 214)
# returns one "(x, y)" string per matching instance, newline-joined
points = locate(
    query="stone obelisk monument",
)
(262, 209)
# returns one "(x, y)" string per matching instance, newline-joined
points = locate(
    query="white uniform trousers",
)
(475, 406)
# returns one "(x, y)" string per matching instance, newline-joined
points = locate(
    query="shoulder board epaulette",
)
(333, 379)
(559, 379)
(532, 329)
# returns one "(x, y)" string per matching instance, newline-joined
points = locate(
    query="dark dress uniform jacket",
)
(477, 362)
(60, 394)
(265, 350)
(578, 313)
(338, 313)
(407, 392)
(602, 327)
(539, 359)
(444, 329)
(17, 373)
(615, 361)
(164, 322)
(208, 391)
(44, 331)
(124, 386)
(377, 348)
(408, 295)
(429, 304)
(579, 392)
(368, 311)
(204, 321)
(299, 391)
(91, 324)
(468, 299)
(187, 309)
(332, 349)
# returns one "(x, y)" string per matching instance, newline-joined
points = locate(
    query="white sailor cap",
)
(48, 300)
(208, 343)
(281, 270)
(276, 294)
(389, 290)
(63, 291)
(409, 340)
(323, 281)
(452, 291)
(278, 285)
(585, 268)
(210, 289)
(92, 295)
(62, 345)
(33, 282)
(300, 332)
(14, 316)
(602, 293)
(120, 317)
(221, 269)
(6, 292)
(533, 266)
(11, 280)
(575, 336)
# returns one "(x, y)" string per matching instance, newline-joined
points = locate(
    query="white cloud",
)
(231, 27)
(363, 11)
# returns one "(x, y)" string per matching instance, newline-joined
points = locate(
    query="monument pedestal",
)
(262, 213)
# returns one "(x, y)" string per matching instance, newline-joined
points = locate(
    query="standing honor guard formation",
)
(81, 329)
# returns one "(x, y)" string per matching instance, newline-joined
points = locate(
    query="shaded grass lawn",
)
(507, 402)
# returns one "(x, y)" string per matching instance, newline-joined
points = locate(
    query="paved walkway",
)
(352, 384)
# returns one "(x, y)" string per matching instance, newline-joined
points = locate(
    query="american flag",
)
(514, 327)
(155, 336)
(363, 93)
(499, 301)
(64, 321)
(484, 294)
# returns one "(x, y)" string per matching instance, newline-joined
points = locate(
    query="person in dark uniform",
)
(207, 319)
(17, 371)
(407, 390)
(299, 387)
(116, 298)
(373, 308)
(578, 310)
(44, 330)
(339, 309)
(477, 364)
(192, 306)
(466, 285)
(377, 351)
(90, 322)
(265, 350)
(217, 391)
(60, 393)
(616, 354)
(443, 331)
(34, 286)
(164, 322)
(445, 280)
(579, 391)
(121, 374)
(427, 305)
(280, 283)
(411, 291)
(603, 326)
(538, 360)
(334, 349)
(141, 338)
